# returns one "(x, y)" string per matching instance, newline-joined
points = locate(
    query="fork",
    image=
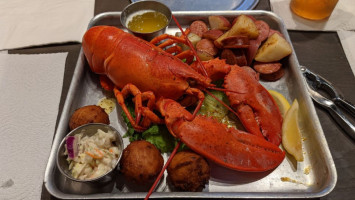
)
(328, 104)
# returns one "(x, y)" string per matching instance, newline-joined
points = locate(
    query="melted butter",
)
(288, 179)
(108, 104)
(307, 170)
(147, 22)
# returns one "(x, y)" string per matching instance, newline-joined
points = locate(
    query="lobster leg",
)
(190, 91)
(120, 96)
(188, 54)
(172, 39)
(106, 83)
(149, 114)
(150, 98)
(174, 49)
(146, 112)
(199, 94)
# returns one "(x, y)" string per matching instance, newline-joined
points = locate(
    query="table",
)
(319, 51)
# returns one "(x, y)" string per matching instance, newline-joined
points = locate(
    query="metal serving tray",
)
(224, 183)
(206, 5)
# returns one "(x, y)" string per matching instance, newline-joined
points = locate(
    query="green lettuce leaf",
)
(156, 134)
(160, 137)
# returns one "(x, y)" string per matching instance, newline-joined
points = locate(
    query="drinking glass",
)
(313, 9)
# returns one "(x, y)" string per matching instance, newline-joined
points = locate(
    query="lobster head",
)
(98, 44)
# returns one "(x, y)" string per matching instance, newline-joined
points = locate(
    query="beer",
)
(313, 9)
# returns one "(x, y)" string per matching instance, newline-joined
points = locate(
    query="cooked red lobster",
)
(147, 72)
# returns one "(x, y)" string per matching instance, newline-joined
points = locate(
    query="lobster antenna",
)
(204, 69)
(163, 170)
(225, 90)
(192, 48)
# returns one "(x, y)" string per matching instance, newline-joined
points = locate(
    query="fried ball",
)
(141, 162)
(188, 171)
(88, 114)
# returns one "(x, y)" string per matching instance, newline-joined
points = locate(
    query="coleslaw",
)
(90, 157)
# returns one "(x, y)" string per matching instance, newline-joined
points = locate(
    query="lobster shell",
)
(128, 60)
(124, 59)
(228, 147)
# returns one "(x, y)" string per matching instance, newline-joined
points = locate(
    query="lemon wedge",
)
(281, 102)
(291, 134)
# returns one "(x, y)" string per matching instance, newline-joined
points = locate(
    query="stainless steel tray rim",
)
(182, 13)
(68, 103)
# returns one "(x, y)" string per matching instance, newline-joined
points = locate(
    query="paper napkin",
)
(30, 88)
(347, 39)
(342, 18)
(36, 22)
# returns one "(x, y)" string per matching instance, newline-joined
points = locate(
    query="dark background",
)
(319, 51)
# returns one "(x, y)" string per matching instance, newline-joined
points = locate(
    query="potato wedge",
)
(243, 26)
(275, 48)
(219, 23)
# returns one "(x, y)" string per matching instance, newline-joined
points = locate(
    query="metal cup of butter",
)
(142, 6)
(90, 129)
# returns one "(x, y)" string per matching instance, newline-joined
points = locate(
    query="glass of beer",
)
(313, 9)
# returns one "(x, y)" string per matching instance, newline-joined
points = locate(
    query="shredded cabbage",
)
(96, 155)
(212, 107)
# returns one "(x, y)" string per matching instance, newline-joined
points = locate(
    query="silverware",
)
(315, 82)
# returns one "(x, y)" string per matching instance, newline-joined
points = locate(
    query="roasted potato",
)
(243, 26)
(275, 48)
(188, 171)
(88, 114)
(194, 39)
(141, 162)
(219, 22)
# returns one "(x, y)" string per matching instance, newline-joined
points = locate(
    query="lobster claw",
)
(228, 147)
(256, 108)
